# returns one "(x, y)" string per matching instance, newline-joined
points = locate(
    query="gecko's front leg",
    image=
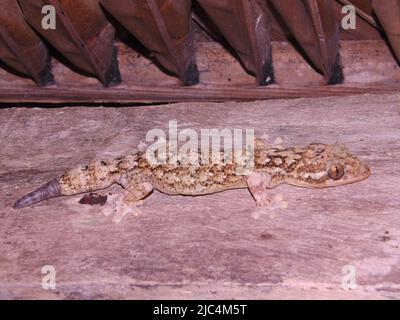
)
(257, 183)
(260, 185)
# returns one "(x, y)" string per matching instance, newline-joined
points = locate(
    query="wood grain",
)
(211, 246)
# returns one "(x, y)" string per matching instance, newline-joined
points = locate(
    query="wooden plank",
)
(368, 66)
(200, 93)
(211, 246)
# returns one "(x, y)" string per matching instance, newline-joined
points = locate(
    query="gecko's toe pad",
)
(118, 208)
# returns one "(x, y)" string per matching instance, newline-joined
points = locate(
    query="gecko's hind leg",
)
(133, 197)
(135, 193)
(129, 200)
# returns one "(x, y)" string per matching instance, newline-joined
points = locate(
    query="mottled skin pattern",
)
(314, 166)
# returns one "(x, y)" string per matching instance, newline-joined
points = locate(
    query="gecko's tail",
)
(47, 191)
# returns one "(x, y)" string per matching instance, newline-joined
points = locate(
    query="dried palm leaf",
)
(83, 35)
(315, 28)
(20, 48)
(246, 25)
(164, 28)
(388, 12)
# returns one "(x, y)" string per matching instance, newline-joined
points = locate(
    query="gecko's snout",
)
(357, 171)
(364, 171)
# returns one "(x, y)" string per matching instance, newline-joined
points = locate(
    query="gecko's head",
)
(324, 166)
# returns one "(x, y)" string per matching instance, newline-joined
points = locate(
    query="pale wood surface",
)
(210, 246)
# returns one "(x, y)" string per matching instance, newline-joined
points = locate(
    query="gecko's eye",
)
(336, 171)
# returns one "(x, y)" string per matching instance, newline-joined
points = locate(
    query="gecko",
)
(314, 166)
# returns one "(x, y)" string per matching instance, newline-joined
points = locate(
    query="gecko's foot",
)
(125, 210)
(265, 200)
(109, 208)
(278, 143)
(279, 202)
(265, 140)
(270, 206)
(119, 208)
(259, 184)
